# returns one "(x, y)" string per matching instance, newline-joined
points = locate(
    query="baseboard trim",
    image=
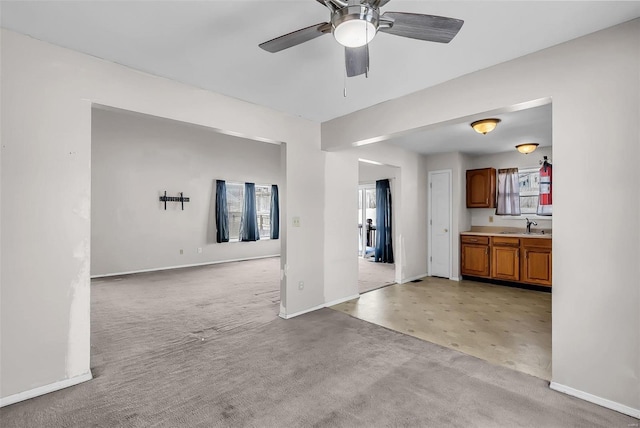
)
(342, 300)
(297, 314)
(404, 281)
(315, 308)
(106, 275)
(41, 390)
(618, 407)
(455, 278)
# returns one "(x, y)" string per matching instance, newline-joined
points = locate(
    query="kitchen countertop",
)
(513, 232)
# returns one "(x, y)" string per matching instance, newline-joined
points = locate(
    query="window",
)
(263, 210)
(529, 190)
(235, 202)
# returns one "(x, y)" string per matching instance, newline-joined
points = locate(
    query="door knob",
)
(446, 230)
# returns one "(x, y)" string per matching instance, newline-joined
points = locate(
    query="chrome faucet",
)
(529, 223)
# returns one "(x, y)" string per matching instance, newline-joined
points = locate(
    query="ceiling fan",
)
(354, 23)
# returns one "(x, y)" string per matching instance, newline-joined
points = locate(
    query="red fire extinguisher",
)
(545, 201)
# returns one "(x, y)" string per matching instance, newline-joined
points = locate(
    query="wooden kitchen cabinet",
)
(505, 258)
(536, 261)
(474, 260)
(481, 188)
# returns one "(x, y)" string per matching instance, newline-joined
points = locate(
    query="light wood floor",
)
(503, 325)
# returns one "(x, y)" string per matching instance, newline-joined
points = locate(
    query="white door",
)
(440, 223)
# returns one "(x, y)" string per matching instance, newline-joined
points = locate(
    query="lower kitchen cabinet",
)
(536, 262)
(474, 260)
(505, 258)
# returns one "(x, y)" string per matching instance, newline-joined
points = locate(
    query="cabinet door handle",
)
(486, 251)
(526, 254)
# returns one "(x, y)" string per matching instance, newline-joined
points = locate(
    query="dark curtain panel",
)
(274, 214)
(384, 247)
(222, 212)
(249, 222)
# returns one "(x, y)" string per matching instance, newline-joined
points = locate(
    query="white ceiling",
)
(214, 44)
(529, 125)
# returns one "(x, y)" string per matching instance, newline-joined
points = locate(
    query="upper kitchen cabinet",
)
(481, 188)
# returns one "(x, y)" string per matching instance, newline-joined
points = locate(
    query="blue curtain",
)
(274, 213)
(222, 212)
(249, 222)
(384, 247)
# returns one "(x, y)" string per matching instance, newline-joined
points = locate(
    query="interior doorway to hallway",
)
(376, 226)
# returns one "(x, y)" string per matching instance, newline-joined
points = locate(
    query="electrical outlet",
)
(490, 219)
(296, 221)
(301, 285)
(199, 250)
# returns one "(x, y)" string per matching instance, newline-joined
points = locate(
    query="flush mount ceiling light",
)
(355, 26)
(527, 148)
(485, 126)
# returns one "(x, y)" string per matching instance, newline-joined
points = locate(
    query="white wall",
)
(134, 159)
(341, 211)
(595, 88)
(47, 96)
(370, 173)
(511, 159)
(47, 93)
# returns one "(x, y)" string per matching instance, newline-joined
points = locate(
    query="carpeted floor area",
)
(372, 275)
(204, 347)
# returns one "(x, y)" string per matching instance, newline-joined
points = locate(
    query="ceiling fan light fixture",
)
(354, 33)
(527, 148)
(485, 126)
(354, 26)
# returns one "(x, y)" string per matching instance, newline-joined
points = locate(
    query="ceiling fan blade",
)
(296, 37)
(357, 60)
(422, 27)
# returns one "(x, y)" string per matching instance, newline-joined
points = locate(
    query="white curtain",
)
(508, 192)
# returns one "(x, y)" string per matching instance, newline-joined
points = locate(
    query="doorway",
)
(367, 221)
(440, 219)
(374, 274)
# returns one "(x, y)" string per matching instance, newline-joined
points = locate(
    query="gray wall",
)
(134, 159)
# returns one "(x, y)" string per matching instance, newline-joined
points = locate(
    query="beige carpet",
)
(323, 369)
(372, 275)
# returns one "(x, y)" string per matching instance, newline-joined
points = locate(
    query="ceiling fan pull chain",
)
(344, 91)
